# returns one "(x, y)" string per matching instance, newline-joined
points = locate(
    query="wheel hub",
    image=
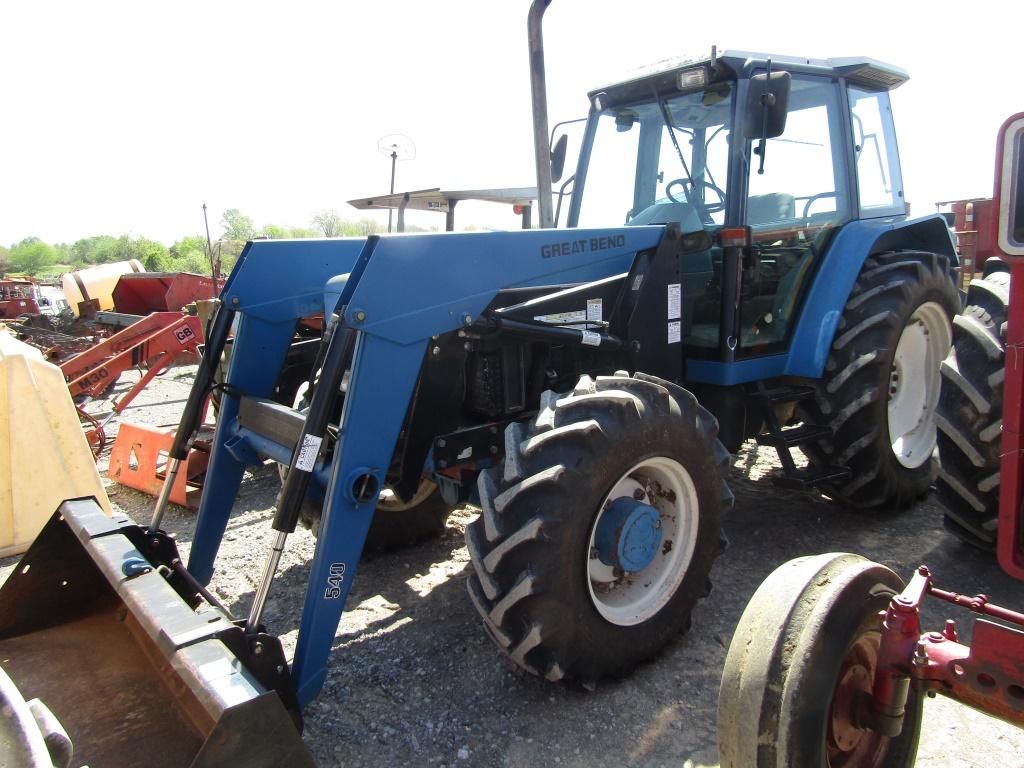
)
(849, 743)
(914, 384)
(628, 535)
(642, 541)
(845, 732)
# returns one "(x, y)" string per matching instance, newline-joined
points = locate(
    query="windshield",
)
(660, 161)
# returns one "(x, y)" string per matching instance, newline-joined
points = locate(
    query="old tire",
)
(544, 595)
(396, 523)
(881, 381)
(804, 651)
(970, 413)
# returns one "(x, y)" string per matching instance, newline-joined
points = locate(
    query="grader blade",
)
(102, 623)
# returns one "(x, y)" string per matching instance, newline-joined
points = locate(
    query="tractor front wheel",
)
(597, 534)
(800, 666)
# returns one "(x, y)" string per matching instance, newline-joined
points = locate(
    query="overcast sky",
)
(124, 117)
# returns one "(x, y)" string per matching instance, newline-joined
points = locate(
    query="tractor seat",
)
(777, 206)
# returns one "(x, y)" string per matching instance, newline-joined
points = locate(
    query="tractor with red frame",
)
(830, 663)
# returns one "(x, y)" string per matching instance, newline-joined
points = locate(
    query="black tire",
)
(807, 634)
(894, 293)
(395, 525)
(531, 547)
(970, 413)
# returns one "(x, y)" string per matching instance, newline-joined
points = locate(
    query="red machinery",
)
(830, 665)
(17, 298)
(974, 227)
(139, 293)
(155, 342)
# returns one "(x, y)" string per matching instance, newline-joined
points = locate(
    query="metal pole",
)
(538, 90)
(394, 158)
(209, 246)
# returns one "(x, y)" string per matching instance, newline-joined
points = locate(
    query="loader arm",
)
(400, 292)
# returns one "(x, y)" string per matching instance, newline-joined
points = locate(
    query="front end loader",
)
(444, 358)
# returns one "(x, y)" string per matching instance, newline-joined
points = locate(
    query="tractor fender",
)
(828, 293)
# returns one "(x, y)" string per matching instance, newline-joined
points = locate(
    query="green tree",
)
(362, 227)
(237, 226)
(94, 250)
(273, 232)
(154, 256)
(63, 253)
(5, 256)
(329, 223)
(193, 262)
(301, 232)
(31, 255)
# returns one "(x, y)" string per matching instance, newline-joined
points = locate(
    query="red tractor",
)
(830, 665)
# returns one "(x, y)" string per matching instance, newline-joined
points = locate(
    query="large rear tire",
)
(881, 381)
(565, 590)
(802, 655)
(970, 414)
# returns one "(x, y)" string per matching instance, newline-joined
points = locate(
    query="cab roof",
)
(663, 77)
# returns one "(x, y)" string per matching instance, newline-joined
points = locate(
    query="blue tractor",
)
(737, 262)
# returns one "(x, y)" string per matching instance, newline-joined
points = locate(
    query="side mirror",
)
(558, 157)
(767, 96)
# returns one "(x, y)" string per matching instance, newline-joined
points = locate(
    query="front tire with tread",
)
(531, 546)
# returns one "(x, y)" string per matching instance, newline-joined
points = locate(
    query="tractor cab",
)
(790, 148)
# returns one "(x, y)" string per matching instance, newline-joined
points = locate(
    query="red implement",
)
(144, 292)
(157, 341)
(139, 458)
(987, 675)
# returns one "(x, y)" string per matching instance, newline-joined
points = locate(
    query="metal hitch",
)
(101, 621)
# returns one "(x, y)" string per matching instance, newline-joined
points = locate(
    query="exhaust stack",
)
(538, 89)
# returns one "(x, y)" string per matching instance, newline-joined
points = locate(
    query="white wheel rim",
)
(914, 384)
(390, 501)
(630, 598)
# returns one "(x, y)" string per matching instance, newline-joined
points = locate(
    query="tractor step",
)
(792, 437)
(810, 477)
(779, 395)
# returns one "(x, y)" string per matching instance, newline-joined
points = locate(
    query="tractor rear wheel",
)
(881, 381)
(598, 531)
(970, 413)
(800, 663)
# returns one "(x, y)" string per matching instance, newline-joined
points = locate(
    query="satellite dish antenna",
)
(397, 146)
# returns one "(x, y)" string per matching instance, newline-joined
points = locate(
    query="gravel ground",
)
(414, 680)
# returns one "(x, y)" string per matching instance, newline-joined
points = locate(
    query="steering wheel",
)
(707, 208)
